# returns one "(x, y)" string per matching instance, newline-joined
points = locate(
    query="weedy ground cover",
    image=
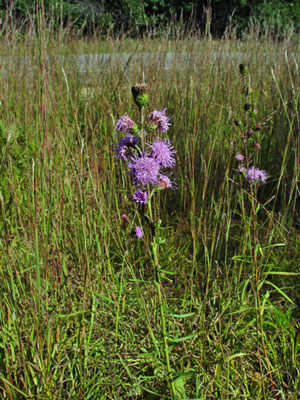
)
(82, 315)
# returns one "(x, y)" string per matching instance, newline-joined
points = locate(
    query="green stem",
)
(142, 129)
(257, 274)
(155, 247)
(155, 254)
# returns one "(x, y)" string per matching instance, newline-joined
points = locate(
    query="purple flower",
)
(124, 124)
(123, 152)
(257, 146)
(125, 145)
(125, 218)
(130, 140)
(144, 169)
(256, 175)
(159, 118)
(140, 197)
(138, 231)
(165, 183)
(163, 152)
(242, 169)
(239, 157)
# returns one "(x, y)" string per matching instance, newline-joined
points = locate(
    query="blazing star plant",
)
(150, 165)
(250, 131)
(250, 136)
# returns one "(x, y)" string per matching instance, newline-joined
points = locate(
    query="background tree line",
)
(138, 16)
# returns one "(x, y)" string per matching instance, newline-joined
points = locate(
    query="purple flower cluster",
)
(125, 146)
(164, 182)
(256, 175)
(242, 169)
(159, 118)
(149, 163)
(140, 197)
(139, 232)
(253, 175)
(147, 167)
(144, 169)
(124, 123)
(162, 152)
(239, 158)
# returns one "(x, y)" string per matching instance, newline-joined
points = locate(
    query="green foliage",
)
(15, 153)
(281, 15)
(137, 16)
(80, 312)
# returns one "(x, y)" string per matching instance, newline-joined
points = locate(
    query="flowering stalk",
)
(142, 129)
(155, 253)
(149, 166)
(140, 97)
(254, 176)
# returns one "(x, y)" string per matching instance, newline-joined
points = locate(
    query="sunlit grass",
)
(79, 310)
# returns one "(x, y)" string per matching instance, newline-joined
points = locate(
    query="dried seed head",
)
(140, 94)
(238, 122)
(257, 127)
(243, 69)
(247, 106)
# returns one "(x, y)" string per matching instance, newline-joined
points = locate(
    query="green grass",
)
(80, 311)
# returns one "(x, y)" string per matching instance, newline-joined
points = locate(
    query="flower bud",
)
(243, 69)
(257, 127)
(239, 157)
(250, 133)
(140, 94)
(257, 146)
(125, 218)
(158, 223)
(238, 122)
(254, 113)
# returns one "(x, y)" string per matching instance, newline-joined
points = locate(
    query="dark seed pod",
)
(257, 127)
(140, 94)
(243, 69)
(237, 122)
(247, 106)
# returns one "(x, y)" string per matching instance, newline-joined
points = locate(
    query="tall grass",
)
(79, 309)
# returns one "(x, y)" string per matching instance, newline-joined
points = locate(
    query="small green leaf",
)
(280, 291)
(179, 384)
(281, 273)
(229, 358)
(182, 315)
(183, 339)
(167, 272)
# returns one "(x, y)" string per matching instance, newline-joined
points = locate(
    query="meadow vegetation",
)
(80, 313)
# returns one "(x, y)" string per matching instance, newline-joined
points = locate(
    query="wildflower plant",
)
(250, 135)
(247, 159)
(150, 158)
